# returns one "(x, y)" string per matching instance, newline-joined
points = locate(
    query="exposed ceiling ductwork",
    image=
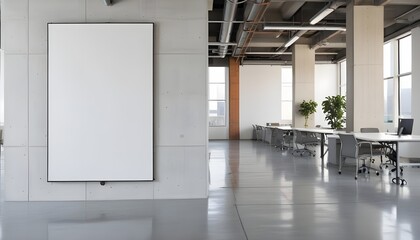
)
(226, 29)
(265, 29)
(253, 15)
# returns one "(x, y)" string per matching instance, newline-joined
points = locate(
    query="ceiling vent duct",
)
(226, 28)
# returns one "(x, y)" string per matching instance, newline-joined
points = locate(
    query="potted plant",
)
(334, 108)
(307, 108)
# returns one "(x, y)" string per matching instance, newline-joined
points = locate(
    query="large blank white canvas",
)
(100, 102)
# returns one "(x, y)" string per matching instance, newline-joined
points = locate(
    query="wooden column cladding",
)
(233, 99)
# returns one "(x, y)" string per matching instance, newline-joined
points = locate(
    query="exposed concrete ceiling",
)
(250, 41)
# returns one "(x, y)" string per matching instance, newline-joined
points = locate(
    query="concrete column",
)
(365, 90)
(303, 59)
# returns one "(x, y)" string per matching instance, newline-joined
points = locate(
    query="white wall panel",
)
(181, 172)
(14, 36)
(40, 15)
(41, 190)
(16, 100)
(37, 100)
(119, 190)
(260, 97)
(180, 110)
(16, 173)
(101, 108)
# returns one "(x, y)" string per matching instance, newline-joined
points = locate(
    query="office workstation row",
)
(363, 146)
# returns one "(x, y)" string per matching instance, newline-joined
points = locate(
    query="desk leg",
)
(398, 180)
(322, 147)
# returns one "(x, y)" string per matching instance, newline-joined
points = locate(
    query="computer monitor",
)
(405, 126)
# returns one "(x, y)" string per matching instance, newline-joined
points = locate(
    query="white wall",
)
(326, 80)
(180, 86)
(260, 96)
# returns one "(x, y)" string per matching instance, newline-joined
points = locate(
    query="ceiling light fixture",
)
(321, 15)
(269, 27)
(291, 41)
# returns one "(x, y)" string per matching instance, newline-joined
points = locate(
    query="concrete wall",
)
(180, 146)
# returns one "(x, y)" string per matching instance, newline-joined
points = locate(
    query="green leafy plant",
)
(334, 108)
(307, 108)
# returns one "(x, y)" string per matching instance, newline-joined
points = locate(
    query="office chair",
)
(254, 132)
(380, 149)
(377, 148)
(306, 139)
(350, 149)
(280, 139)
(259, 132)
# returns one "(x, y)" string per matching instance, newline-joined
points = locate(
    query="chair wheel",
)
(368, 172)
(377, 173)
(339, 172)
(355, 178)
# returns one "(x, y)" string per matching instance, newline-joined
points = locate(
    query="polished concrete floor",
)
(256, 192)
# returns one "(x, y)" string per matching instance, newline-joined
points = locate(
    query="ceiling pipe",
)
(226, 28)
(256, 10)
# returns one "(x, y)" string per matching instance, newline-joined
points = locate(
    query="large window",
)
(217, 96)
(404, 74)
(397, 78)
(286, 93)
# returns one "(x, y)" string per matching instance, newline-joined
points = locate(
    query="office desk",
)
(323, 132)
(393, 139)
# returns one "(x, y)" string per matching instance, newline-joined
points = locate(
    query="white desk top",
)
(316, 130)
(384, 137)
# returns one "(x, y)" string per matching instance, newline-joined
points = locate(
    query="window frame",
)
(225, 100)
